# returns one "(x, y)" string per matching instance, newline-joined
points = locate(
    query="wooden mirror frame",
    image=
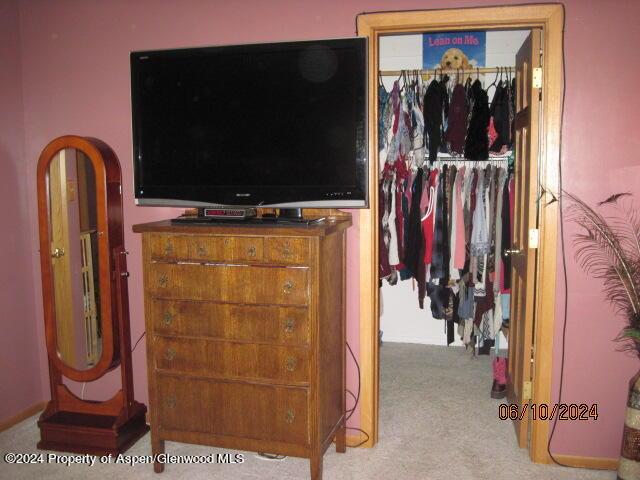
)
(107, 171)
(70, 423)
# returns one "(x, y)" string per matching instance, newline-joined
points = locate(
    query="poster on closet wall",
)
(453, 50)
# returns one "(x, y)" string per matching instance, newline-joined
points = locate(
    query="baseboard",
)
(594, 463)
(17, 418)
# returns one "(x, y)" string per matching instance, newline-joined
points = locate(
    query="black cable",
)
(357, 400)
(350, 410)
(562, 243)
(138, 341)
(363, 441)
(270, 456)
(357, 397)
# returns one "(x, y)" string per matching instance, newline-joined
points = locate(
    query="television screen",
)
(280, 124)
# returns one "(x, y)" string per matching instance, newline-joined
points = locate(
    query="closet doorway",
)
(534, 233)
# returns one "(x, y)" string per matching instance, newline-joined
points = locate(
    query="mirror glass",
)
(74, 258)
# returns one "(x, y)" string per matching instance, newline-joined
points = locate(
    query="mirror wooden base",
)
(91, 433)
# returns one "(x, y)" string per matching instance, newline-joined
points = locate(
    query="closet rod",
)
(461, 159)
(448, 71)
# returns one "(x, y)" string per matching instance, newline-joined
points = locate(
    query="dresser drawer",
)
(260, 412)
(169, 247)
(211, 358)
(229, 283)
(226, 249)
(256, 323)
(287, 250)
(182, 247)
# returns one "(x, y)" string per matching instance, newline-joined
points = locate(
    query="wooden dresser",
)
(246, 336)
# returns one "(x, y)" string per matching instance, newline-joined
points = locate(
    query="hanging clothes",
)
(428, 219)
(383, 98)
(480, 232)
(499, 112)
(458, 252)
(512, 111)
(383, 235)
(394, 258)
(457, 121)
(447, 225)
(433, 105)
(439, 225)
(449, 171)
(477, 143)
(506, 235)
(414, 233)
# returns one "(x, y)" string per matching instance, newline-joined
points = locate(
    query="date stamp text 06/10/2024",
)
(545, 411)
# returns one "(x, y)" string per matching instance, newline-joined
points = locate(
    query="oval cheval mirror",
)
(85, 297)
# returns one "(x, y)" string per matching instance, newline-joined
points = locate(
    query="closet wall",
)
(401, 319)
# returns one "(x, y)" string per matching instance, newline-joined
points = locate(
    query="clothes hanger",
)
(416, 85)
(494, 81)
(399, 79)
(381, 83)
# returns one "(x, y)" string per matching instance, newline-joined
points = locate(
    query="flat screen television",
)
(274, 125)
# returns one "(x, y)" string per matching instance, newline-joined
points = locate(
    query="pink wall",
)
(19, 362)
(598, 159)
(76, 80)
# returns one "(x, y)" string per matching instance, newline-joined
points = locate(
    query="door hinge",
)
(526, 391)
(534, 238)
(537, 77)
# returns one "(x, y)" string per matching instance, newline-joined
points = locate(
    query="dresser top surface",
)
(331, 224)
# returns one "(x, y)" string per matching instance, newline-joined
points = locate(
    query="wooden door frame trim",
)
(550, 18)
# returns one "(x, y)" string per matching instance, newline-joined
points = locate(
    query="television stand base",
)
(291, 213)
(253, 221)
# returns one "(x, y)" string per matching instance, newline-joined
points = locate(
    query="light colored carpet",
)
(437, 421)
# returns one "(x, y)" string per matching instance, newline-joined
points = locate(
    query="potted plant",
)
(608, 248)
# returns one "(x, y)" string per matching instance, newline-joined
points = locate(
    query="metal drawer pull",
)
(286, 250)
(167, 318)
(171, 402)
(251, 251)
(288, 325)
(288, 286)
(170, 354)
(290, 417)
(512, 252)
(202, 251)
(163, 280)
(168, 249)
(291, 364)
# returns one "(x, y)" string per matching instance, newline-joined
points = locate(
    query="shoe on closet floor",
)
(499, 387)
(498, 391)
